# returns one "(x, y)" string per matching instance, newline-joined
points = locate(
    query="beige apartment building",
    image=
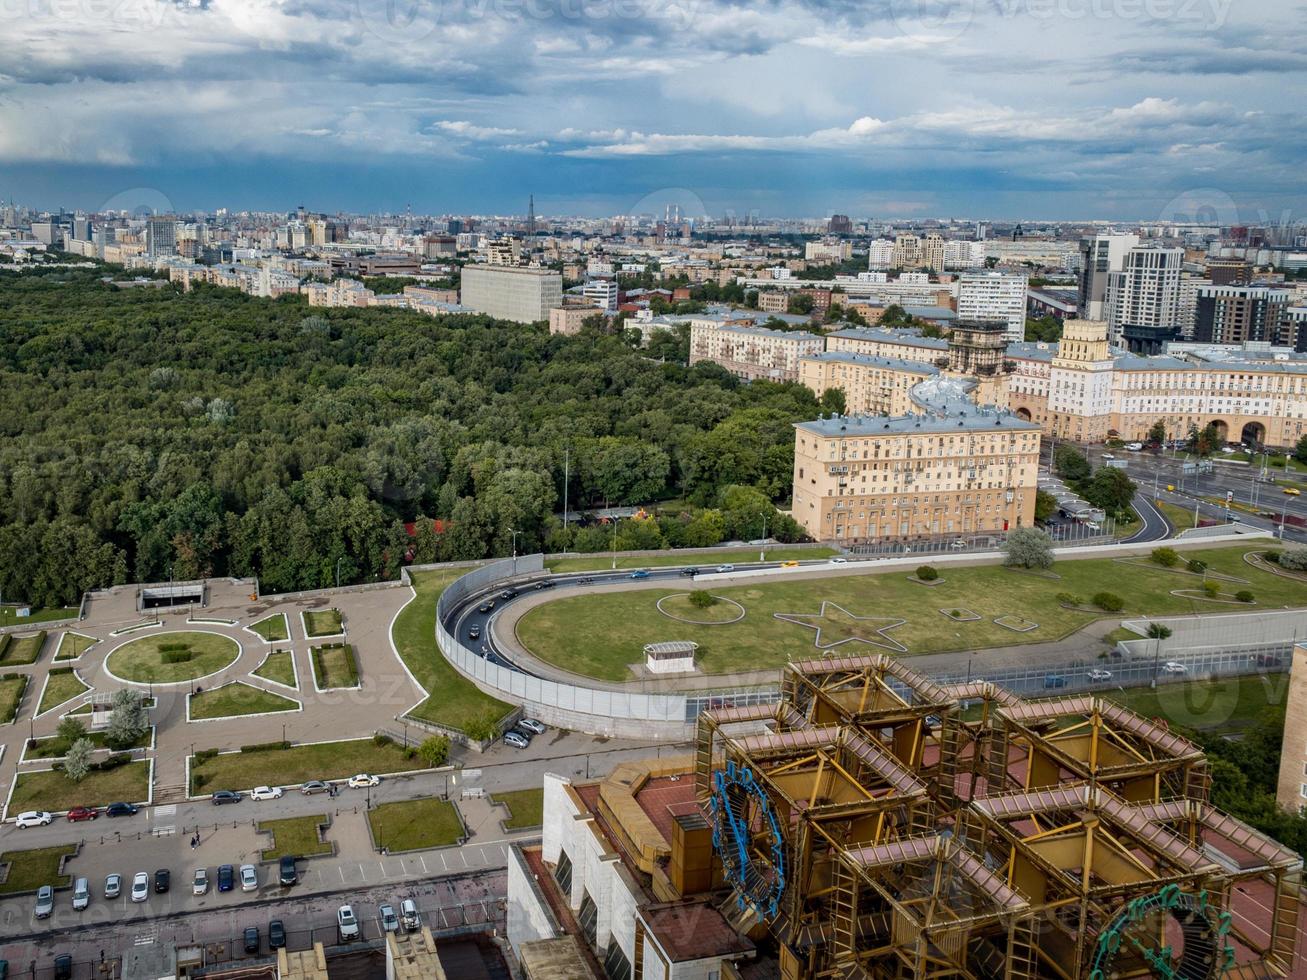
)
(523, 295)
(865, 479)
(871, 385)
(1291, 786)
(752, 353)
(568, 320)
(900, 345)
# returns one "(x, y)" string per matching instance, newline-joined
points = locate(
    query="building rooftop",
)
(689, 931)
(1164, 362)
(756, 331)
(554, 959)
(977, 420)
(1029, 350)
(895, 363)
(909, 338)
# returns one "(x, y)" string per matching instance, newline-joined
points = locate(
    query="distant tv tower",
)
(531, 216)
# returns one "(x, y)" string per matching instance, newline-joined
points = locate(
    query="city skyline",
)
(1034, 109)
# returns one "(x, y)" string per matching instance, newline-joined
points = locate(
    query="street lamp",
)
(761, 550)
(338, 561)
(514, 533)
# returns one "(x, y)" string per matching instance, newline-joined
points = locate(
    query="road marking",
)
(342, 875)
(422, 858)
(363, 874)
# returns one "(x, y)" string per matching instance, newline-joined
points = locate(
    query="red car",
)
(83, 813)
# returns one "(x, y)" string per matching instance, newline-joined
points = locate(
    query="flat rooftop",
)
(895, 363)
(978, 420)
(689, 931)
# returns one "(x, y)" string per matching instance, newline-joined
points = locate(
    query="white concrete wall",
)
(529, 917)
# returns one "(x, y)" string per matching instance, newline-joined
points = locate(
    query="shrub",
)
(176, 656)
(1212, 589)
(380, 739)
(1196, 565)
(1108, 601)
(927, 573)
(483, 728)
(1068, 599)
(1272, 556)
(266, 747)
(435, 751)
(1166, 557)
(204, 755)
(702, 599)
(200, 779)
(956, 613)
(173, 647)
(77, 763)
(1294, 559)
(113, 762)
(1243, 595)
(1028, 547)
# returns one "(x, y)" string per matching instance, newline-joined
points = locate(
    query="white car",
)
(1100, 675)
(140, 886)
(362, 780)
(725, 568)
(1135, 447)
(347, 923)
(249, 878)
(1174, 667)
(839, 561)
(81, 894)
(200, 883)
(265, 793)
(533, 726)
(33, 818)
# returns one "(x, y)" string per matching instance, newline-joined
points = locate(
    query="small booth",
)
(670, 657)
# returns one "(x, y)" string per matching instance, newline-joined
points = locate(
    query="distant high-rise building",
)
(1238, 314)
(932, 251)
(907, 252)
(503, 251)
(994, 296)
(511, 292)
(1229, 271)
(1143, 299)
(602, 293)
(531, 217)
(880, 254)
(1100, 257)
(82, 229)
(840, 224)
(161, 236)
(46, 232)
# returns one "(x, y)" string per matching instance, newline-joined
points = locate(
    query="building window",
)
(563, 873)
(588, 919)
(616, 965)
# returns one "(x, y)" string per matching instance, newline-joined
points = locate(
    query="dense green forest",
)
(149, 433)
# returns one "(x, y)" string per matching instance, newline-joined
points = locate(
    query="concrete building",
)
(994, 296)
(1143, 299)
(902, 345)
(880, 254)
(161, 236)
(1238, 314)
(773, 301)
(828, 252)
(568, 320)
(339, 292)
(1291, 787)
(522, 295)
(751, 352)
(871, 385)
(1099, 258)
(602, 293)
(864, 479)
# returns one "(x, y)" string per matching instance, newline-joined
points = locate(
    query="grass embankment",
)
(278, 668)
(415, 824)
(11, 693)
(1181, 518)
(599, 562)
(296, 836)
(454, 700)
(525, 806)
(20, 651)
(54, 747)
(335, 666)
(62, 685)
(146, 661)
(235, 699)
(73, 645)
(297, 764)
(8, 616)
(323, 622)
(272, 628)
(577, 633)
(52, 790)
(29, 870)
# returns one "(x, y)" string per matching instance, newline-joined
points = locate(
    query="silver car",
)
(113, 885)
(44, 902)
(81, 894)
(200, 883)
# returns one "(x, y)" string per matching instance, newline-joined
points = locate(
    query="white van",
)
(408, 914)
(81, 894)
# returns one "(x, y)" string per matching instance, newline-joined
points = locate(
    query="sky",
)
(1129, 110)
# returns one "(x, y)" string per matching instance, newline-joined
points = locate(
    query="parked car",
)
(639, 573)
(725, 568)
(474, 632)
(200, 883)
(363, 780)
(1100, 675)
(113, 885)
(347, 924)
(286, 872)
(44, 902)
(162, 880)
(120, 810)
(140, 886)
(958, 545)
(251, 939)
(408, 914)
(690, 572)
(314, 786)
(249, 878)
(532, 726)
(33, 818)
(519, 730)
(1108, 456)
(265, 793)
(1174, 667)
(1054, 681)
(81, 894)
(223, 796)
(516, 740)
(1135, 447)
(63, 967)
(226, 874)
(276, 934)
(389, 920)
(82, 813)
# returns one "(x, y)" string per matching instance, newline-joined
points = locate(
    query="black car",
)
(226, 877)
(63, 967)
(225, 796)
(276, 934)
(162, 879)
(120, 810)
(507, 594)
(474, 633)
(286, 870)
(691, 572)
(485, 607)
(252, 939)
(587, 580)
(544, 585)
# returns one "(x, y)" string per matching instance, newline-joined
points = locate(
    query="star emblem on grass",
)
(836, 625)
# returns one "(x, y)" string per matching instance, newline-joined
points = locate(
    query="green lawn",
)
(1220, 704)
(335, 666)
(279, 667)
(29, 870)
(237, 699)
(7, 617)
(526, 807)
(50, 790)
(54, 747)
(272, 628)
(22, 650)
(11, 692)
(577, 632)
(598, 562)
(142, 661)
(299, 764)
(73, 645)
(414, 824)
(1181, 517)
(323, 622)
(296, 836)
(455, 700)
(62, 685)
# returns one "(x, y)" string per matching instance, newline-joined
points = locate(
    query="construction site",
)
(875, 824)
